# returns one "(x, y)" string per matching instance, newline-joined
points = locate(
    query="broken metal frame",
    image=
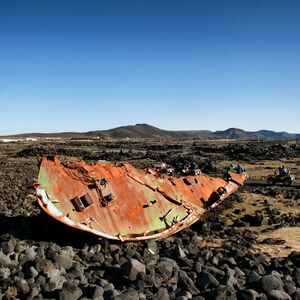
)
(124, 203)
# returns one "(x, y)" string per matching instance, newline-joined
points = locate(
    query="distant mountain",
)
(148, 131)
(276, 135)
(133, 131)
(234, 133)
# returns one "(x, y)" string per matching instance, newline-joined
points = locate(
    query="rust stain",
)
(125, 203)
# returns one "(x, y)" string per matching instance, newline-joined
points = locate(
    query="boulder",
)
(132, 268)
(270, 282)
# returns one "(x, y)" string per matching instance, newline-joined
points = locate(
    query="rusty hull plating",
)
(125, 203)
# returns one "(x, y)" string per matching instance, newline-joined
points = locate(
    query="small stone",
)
(162, 294)
(109, 287)
(296, 295)
(230, 261)
(278, 295)
(152, 247)
(132, 268)
(165, 269)
(34, 291)
(296, 275)
(187, 283)
(70, 291)
(289, 287)
(5, 260)
(8, 247)
(206, 280)
(44, 265)
(232, 282)
(295, 258)
(248, 294)
(188, 295)
(215, 271)
(40, 280)
(270, 282)
(4, 273)
(224, 293)
(178, 252)
(55, 283)
(31, 282)
(22, 286)
(11, 293)
(32, 272)
(114, 248)
(30, 253)
(198, 267)
(253, 278)
(129, 295)
(63, 260)
(94, 291)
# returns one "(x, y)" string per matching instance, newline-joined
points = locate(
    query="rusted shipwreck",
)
(121, 202)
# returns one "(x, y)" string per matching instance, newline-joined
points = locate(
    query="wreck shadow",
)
(41, 228)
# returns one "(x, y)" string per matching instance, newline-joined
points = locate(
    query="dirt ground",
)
(277, 206)
(251, 237)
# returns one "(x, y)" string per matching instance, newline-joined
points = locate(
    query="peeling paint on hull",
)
(125, 203)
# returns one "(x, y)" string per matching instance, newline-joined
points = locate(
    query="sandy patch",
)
(291, 236)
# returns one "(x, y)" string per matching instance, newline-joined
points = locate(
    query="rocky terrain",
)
(248, 248)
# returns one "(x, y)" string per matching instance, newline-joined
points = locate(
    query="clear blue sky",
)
(80, 65)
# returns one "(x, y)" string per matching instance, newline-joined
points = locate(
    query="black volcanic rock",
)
(40, 259)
